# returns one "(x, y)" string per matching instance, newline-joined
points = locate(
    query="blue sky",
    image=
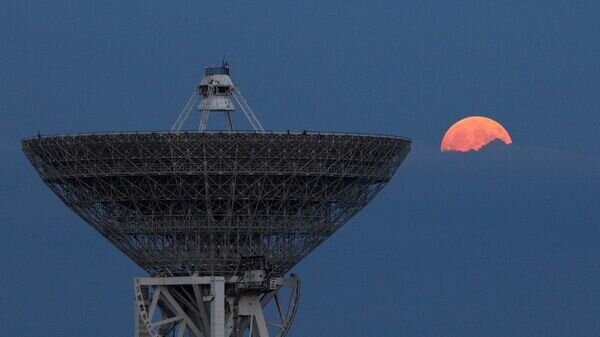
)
(502, 242)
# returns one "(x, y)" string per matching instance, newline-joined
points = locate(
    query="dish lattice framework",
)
(215, 203)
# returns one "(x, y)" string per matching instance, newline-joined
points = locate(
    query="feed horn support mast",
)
(217, 218)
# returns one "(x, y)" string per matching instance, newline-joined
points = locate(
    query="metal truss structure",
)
(211, 203)
(216, 218)
(215, 306)
(214, 94)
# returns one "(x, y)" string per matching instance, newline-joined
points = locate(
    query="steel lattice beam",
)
(206, 202)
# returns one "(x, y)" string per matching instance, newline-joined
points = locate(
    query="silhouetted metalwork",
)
(216, 218)
(215, 203)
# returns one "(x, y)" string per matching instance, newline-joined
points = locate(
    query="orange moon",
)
(473, 133)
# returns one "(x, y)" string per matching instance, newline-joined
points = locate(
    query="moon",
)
(473, 133)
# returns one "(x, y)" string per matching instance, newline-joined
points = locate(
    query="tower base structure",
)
(252, 305)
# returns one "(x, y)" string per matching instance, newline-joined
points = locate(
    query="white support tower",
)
(209, 306)
(213, 94)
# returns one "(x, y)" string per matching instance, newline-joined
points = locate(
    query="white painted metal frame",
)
(204, 112)
(192, 102)
(237, 95)
(200, 306)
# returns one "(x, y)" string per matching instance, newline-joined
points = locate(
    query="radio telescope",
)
(217, 218)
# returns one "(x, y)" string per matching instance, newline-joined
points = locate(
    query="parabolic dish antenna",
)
(217, 218)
